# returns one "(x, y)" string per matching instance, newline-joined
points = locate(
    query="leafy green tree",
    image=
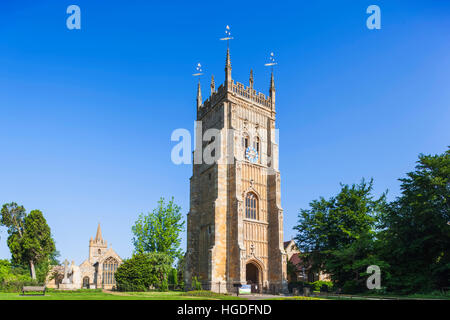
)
(159, 231)
(415, 228)
(173, 278)
(181, 265)
(143, 271)
(12, 217)
(337, 235)
(43, 268)
(29, 240)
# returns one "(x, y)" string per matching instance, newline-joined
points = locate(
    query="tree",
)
(173, 278)
(181, 266)
(143, 271)
(337, 235)
(159, 231)
(415, 228)
(43, 268)
(12, 217)
(29, 240)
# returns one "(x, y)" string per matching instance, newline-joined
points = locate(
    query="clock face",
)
(251, 154)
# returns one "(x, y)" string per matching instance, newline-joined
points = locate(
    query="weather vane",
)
(228, 36)
(198, 70)
(271, 61)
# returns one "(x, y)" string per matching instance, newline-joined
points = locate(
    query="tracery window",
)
(251, 206)
(256, 144)
(257, 147)
(245, 141)
(109, 269)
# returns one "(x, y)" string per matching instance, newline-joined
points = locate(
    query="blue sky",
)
(86, 115)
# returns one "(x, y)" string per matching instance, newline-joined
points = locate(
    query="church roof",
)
(109, 253)
(286, 243)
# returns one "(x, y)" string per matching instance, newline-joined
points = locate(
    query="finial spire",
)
(272, 82)
(98, 236)
(198, 73)
(228, 70)
(213, 85)
(271, 64)
(199, 95)
(251, 78)
(228, 37)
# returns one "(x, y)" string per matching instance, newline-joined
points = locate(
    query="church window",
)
(256, 144)
(109, 269)
(251, 206)
(245, 142)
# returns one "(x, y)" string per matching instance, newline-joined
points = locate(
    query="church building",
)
(95, 272)
(235, 222)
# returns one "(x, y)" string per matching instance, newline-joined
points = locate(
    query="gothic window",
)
(245, 142)
(256, 145)
(109, 269)
(251, 206)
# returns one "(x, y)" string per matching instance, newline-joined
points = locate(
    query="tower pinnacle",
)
(272, 83)
(228, 69)
(272, 90)
(213, 85)
(98, 236)
(199, 95)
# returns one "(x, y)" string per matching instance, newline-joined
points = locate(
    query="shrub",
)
(143, 272)
(12, 279)
(173, 278)
(351, 286)
(196, 284)
(317, 285)
(297, 284)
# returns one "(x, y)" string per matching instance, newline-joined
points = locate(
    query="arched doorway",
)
(253, 277)
(86, 282)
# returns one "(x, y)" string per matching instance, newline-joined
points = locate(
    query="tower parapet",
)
(237, 89)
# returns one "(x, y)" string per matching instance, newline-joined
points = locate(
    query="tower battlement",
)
(236, 89)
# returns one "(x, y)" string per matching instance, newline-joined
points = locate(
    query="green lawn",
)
(96, 295)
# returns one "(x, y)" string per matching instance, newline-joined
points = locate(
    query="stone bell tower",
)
(235, 222)
(97, 246)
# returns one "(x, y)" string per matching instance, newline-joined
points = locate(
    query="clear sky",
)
(86, 115)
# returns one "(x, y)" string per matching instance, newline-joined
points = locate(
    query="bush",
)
(351, 286)
(12, 279)
(173, 278)
(196, 284)
(143, 272)
(297, 285)
(318, 285)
